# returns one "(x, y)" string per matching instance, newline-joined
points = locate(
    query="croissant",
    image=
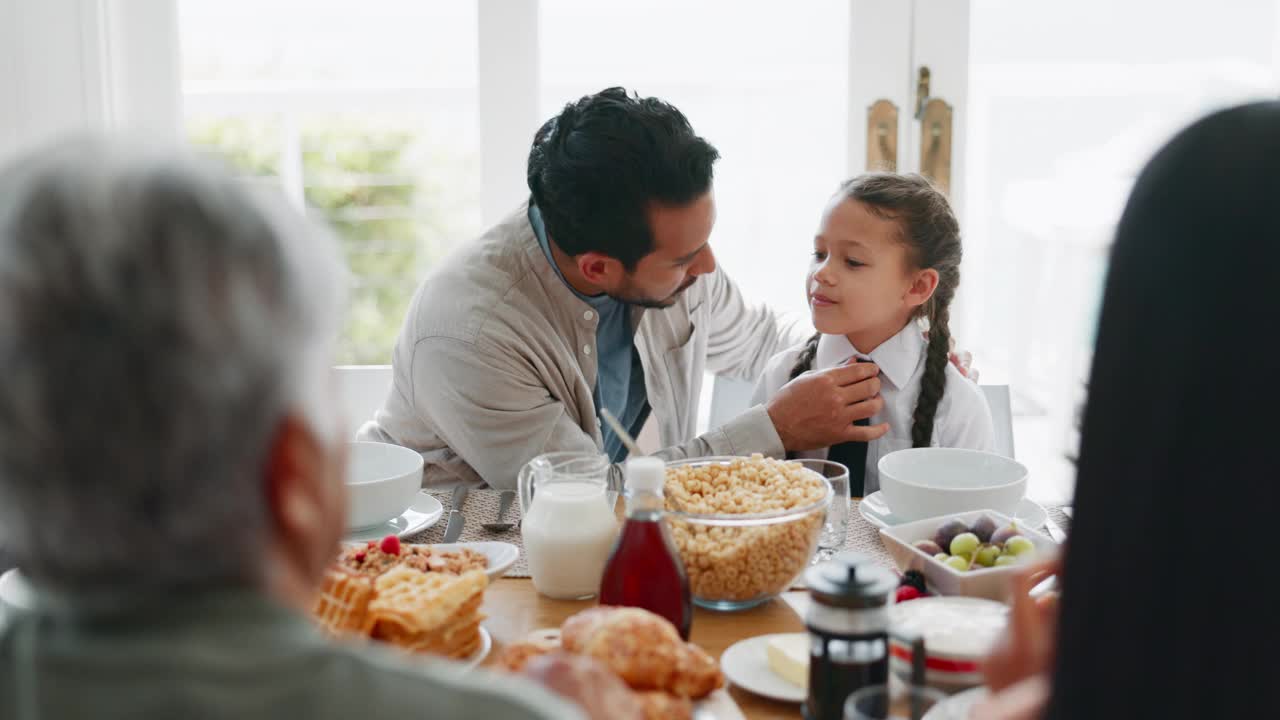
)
(515, 657)
(643, 649)
(658, 705)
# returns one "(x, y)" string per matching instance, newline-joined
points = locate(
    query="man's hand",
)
(587, 682)
(818, 409)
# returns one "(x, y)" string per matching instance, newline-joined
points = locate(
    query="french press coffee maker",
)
(848, 622)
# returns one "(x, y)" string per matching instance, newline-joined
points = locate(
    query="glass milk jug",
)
(569, 524)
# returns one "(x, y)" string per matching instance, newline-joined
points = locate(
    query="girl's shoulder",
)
(777, 372)
(785, 359)
(962, 395)
(963, 417)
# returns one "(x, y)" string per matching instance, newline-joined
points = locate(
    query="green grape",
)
(958, 563)
(941, 557)
(1018, 545)
(987, 555)
(964, 544)
(1005, 560)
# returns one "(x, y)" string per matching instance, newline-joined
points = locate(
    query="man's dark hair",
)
(597, 167)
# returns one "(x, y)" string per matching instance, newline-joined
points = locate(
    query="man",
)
(171, 471)
(601, 293)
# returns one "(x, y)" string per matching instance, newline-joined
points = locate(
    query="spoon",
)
(504, 503)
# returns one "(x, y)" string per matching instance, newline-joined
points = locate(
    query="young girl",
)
(887, 255)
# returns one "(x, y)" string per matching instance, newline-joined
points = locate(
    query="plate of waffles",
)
(375, 557)
(428, 613)
(482, 652)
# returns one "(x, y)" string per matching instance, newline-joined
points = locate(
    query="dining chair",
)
(362, 389)
(998, 400)
(731, 397)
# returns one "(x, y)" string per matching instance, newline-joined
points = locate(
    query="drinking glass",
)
(891, 702)
(831, 540)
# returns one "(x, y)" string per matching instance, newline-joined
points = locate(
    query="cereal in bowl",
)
(376, 558)
(744, 562)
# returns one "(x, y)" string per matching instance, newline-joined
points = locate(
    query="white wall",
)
(81, 65)
(508, 83)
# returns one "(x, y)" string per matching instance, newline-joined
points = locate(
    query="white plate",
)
(477, 657)
(422, 514)
(957, 706)
(746, 664)
(500, 555)
(875, 510)
(15, 593)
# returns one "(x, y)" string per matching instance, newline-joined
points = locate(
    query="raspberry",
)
(360, 556)
(390, 545)
(905, 593)
(371, 544)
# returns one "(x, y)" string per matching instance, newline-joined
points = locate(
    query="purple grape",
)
(929, 547)
(983, 528)
(948, 532)
(1001, 536)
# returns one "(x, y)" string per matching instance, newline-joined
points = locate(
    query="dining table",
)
(514, 610)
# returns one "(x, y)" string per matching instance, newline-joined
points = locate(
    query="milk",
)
(568, 534)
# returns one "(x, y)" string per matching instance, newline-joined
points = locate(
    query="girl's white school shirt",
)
(963, 419)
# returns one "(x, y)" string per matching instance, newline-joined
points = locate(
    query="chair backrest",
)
(363, 389)
(1001, 416)
(731, 397)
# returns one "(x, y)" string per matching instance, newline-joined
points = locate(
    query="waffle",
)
(433, 613)
(428, 612)
(342, 606)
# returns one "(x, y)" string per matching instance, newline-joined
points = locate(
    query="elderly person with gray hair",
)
(170, 464)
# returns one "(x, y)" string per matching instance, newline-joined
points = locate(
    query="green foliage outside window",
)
(378, 184)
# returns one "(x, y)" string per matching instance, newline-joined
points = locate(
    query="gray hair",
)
(157, 323)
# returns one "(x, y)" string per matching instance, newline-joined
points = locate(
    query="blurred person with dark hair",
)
(172, 460)
(601, 292)
(1164, 612)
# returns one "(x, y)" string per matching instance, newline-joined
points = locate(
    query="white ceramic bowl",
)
(927, 482)
(382, 481)
(990, 583)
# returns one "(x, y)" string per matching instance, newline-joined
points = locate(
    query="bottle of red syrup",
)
(644, 569)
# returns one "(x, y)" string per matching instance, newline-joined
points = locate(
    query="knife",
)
(453, 530)
(1055, 531)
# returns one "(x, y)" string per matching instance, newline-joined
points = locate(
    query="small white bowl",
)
(927, 482)
(382, 480)
(990, 583)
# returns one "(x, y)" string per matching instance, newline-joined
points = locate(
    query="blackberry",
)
(915, 579)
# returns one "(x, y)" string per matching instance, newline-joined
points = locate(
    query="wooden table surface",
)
(514, 609)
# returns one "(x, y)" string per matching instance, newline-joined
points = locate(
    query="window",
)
(1067, 103)
(368, 118)
(765, 82)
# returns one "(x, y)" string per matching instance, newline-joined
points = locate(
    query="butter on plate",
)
(789, 657)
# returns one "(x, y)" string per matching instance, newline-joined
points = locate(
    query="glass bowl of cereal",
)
(745, 527)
